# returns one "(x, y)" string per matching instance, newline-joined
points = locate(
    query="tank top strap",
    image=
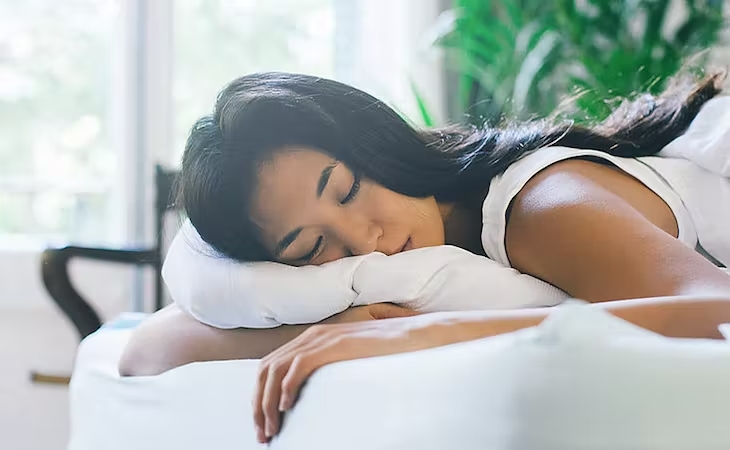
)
(505, 187)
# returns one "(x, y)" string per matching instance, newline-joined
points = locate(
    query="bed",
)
(582, 380)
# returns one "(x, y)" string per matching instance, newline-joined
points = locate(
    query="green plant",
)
(424, 111)
(521, 58)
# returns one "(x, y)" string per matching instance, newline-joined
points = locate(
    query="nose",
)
(359, 235)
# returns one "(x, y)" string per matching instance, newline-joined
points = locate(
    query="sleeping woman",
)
(304, 170)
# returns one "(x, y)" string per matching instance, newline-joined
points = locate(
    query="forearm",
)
(172, 338)
(689, 317)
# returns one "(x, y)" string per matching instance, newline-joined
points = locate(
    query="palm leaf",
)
(423, 110)
(519, 58)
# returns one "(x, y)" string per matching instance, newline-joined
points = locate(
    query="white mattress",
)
(583, 380)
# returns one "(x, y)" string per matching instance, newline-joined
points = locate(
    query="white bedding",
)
(583, 380)
(224, 293)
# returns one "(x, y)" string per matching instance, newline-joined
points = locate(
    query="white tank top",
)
(699, 198)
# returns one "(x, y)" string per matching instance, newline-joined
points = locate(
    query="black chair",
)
(55, 262)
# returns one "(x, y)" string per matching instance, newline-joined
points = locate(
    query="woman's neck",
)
(462, 227)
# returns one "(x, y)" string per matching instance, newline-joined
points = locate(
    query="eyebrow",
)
(324, 178)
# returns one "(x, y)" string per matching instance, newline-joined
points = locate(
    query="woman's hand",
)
(351, 334)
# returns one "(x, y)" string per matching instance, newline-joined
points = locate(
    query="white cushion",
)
(228, 294)
(583, 380)
(707, 140)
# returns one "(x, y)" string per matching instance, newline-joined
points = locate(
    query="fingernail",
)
(269, 430)
(260, 434)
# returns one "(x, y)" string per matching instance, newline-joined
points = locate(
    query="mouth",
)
(407, 246)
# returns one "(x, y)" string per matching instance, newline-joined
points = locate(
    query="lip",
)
(407, 246)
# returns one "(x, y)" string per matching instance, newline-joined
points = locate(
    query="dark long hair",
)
(260, 113)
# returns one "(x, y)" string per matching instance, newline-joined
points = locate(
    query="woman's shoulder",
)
(518, 174)
(577, 194)
(504, 187)
(575, 185)
(599, 234)
(558, 177)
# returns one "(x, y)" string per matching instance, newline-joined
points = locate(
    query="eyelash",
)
(353, 192)
(309, 256)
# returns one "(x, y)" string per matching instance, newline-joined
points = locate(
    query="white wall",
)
(21, 288)
(34, 336)
(33, 417)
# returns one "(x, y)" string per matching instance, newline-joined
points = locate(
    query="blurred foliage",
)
(424, 111)
(521, 58)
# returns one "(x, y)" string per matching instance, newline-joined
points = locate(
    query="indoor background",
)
(95, 93)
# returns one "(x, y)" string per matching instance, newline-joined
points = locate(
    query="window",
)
(94, 92)
(219, 40)
(62, 65)
(56, 157)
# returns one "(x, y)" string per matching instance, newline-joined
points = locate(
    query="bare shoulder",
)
(599, 234)
(577, 185)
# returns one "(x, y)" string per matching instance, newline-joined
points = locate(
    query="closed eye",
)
(353, 191)
(312, 254)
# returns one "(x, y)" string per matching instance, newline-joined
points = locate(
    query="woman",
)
(303, 170)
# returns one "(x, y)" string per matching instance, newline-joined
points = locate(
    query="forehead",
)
(286, 190)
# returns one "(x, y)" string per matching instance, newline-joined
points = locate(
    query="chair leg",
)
(58, 284)
(42, 378)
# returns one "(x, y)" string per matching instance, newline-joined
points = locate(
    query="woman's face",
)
(311, 209)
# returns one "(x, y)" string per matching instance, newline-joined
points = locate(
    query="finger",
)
(300, 370)
(304, 364)
(277, 370)
(258, 412)
(272, 394)
(389, 311)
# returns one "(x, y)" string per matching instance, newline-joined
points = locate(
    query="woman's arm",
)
(283, 372)
(171, 338)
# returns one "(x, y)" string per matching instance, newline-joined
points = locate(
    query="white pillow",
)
(707, 140)
(228, 294)
(584, 380)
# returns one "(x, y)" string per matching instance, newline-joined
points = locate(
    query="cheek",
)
(425, 212)
(429, 222)
(386, 207)
(407, 213)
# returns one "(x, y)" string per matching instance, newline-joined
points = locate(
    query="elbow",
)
(126, 369)
(138, 362)
(129, 367)
(154, 345)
